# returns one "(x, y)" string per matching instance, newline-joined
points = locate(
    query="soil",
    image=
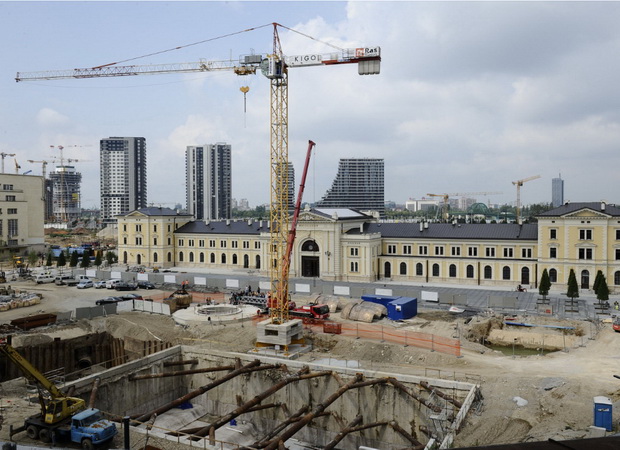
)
(575, 364)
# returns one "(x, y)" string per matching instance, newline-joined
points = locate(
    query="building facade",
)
(123, 176)
(347, 245)
(66, 199)
(208, 190)
(557, 192)
(22, 208)
(359, 184)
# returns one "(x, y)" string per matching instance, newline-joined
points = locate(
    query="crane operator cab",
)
(60, 408)
(272, 67)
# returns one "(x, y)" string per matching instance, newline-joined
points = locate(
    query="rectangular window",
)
(472, 251)
(354, 266)
(585, 235)
(11, 211)
(423, 250)
(354, 251)
(201, 243)
(617, 235)
(7, 187)
(406, 249)
(246, 244)
(585, 253)
(169, 241)
(617, 254)
(139, 228)
(438, 250)
(391, 249)
(490, 252)
(553, 253)
(138, 240)
(154, 228)
(508, 253)
(181, 243)
(154, 241)
(13, 227)
(553, 233)
(526, 253)
(190, 242)
(456, 251)
(10, 198)
(257, 245)
(234, 244)
(212, 243)
(222, 244)
(169, 229)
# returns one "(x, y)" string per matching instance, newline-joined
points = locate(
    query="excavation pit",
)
(213, 314)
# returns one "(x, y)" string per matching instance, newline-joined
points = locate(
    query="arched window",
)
(419, 269)
(180, 256)
(246, 261)
(169, 256)
(452, 271)
(202, 257)
(234, 259)
(403, 268)
(223, 258)
(553, 275)
(435, 270)
(191, 256)
(309, 246)
(258, 261)
(488, 272)
(124, 257)
(470, 271)
(155, 257)
(617, 278)
(506, 273)
(387, 269)
(525, 275)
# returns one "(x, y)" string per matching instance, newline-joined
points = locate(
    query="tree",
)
(98, 258)
(602, 293)
(573, 288)
(597, 281)
(110, 257)
(85, 258)
(49, 261)
(32, 258)
(61, 261)
(544, 285)
(73, 261)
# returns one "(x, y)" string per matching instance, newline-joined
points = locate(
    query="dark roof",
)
(225, 227)
(499, 231)
(156, 211)
(568, 208)
(341, 213)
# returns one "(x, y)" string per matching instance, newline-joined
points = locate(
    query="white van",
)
(111, 284)
(45, 277)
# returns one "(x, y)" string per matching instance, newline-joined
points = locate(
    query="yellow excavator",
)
(61, 415)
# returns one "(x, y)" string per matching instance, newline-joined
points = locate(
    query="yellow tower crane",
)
(275, 67)
(519, 183)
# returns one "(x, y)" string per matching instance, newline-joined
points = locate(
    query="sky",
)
(471, 97)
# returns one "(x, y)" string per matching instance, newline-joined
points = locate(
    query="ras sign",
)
(367, 52)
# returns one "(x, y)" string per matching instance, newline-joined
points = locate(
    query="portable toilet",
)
(402, 308)
(603, 412)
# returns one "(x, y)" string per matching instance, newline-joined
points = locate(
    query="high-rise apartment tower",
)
(208, 190)
(123, 176)
(359, 184)
(557, 191)
(65, 192)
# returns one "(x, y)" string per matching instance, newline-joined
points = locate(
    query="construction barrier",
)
(427, 341)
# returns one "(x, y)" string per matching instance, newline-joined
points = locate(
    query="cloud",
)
(47, 118)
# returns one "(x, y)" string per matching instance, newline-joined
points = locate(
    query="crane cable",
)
(217, 38)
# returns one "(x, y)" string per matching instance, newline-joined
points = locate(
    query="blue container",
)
(603, 412)
(381, 299)
(402, 308)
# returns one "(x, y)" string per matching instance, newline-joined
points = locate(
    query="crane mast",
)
(275, 67)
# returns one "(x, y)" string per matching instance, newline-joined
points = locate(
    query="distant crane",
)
(519, 183)
(62, 188)
(43, 166)
(446, 198)
(4, 155)
(17, 166)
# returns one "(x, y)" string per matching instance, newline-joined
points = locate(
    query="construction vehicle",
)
(61, 417)
(275, 67)
(179, 299)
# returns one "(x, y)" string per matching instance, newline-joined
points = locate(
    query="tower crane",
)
(17, 166)
(43, 166)
(519, 183)
(446, 198)
(275, 67)
(4, 155)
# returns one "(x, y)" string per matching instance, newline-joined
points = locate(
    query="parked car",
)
(111, 284)
(131, 297)
(108, 300)
(145, 285)
(124, 286)
(99, 284)
(84, 284)
(45, 277)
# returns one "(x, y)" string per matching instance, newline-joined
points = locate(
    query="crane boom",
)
(519, 183)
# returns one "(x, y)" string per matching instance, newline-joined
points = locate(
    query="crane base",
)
(283, 334)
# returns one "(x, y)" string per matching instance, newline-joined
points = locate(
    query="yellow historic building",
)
(346, 245)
